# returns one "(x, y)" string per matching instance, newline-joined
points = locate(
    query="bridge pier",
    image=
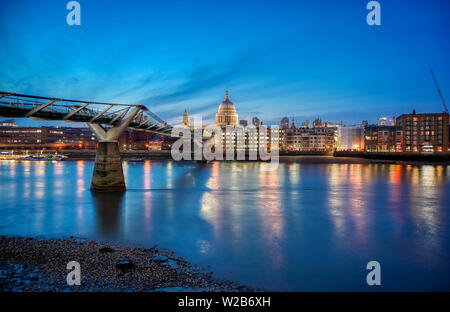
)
(108, 172)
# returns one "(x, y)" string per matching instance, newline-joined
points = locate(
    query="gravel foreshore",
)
(35, 265)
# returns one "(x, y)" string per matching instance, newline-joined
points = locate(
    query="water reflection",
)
(336, 198)
(269, 207)
(289, 229)
(147, 195)
(426, 201)
(359, 197)
(213, 209)
(108, 208)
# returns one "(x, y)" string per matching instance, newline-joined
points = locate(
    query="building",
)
(317, 122)
(256, 122)
(382, 138)
(8, 123)
(319, 138)
(243, 138)
(243, 123)
(155, 144)
(282, 139)
(293, 123)
(306, 124)
(47, 137)
(424, 133)
(226, 114)
(186, 121)
(284, 124)
(382, 121)
(60, 138)
(351, 138)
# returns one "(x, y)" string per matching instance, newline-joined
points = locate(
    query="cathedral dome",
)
(227, 114)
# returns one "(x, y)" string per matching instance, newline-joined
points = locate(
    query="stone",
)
(160, 259)
(106, 249)
(125, 265)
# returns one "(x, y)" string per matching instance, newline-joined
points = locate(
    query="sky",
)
(306, 59)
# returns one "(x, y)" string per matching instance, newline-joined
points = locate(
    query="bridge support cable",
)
(37, 109)
(101, 113)
(75, 111)
(119, 116)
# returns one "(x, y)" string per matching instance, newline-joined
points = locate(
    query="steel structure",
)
(13, 105)
(439, 91)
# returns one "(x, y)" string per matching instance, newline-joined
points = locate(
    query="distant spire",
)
(186, 121)
(227, 98)
(293, 123)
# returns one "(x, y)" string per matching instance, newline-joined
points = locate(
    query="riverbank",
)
(400, 158)
(28, 264)
(303, 157)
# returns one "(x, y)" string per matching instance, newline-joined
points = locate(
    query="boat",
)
(57, 157)
(43, 157)
(134, 160)
(35, 157)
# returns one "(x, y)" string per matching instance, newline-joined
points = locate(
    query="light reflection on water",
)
(302, 227)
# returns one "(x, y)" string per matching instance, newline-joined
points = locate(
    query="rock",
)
(125, 265)
(160, 259)
(106, 249)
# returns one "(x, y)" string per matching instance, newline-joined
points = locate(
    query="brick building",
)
(424, 133)
(382, 138)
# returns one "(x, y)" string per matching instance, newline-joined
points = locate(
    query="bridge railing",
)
(19, 105)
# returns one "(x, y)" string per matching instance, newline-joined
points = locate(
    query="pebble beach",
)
(40, 265)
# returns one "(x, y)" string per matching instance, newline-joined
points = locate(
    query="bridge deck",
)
(13, 105)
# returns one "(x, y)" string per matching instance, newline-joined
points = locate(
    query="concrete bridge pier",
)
(108, 172)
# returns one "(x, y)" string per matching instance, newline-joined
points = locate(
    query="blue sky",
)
(277, 58)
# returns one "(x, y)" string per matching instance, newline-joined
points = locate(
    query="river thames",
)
(303, 227)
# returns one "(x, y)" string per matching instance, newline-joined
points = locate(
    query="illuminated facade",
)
(56, 138)
(227, 115)
(321, 137)
(424, 133)
(186, 121)
(243, 138)
(351, 138)
(46, 137)
(382, 138)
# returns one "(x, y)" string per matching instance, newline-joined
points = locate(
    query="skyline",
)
(277, 59)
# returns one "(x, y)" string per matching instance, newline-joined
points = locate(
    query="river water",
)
(303, 227)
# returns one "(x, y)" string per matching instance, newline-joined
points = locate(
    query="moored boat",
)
(134, 160)
(43, 157)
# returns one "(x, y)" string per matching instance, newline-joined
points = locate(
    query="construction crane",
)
(439, 91)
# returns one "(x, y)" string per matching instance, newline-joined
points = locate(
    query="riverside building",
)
(351, 138)
(382, 138)
(424, 133)
(242, 138)
(321, 137)
(60, 138)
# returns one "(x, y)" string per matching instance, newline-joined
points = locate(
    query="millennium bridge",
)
(107, 121)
